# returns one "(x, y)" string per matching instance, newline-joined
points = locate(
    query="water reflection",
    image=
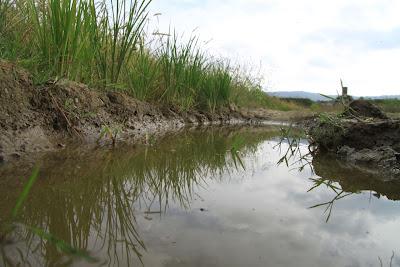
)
(336, 175)
(356, 180)
(210, 197)
(90, 199)
(345, 180)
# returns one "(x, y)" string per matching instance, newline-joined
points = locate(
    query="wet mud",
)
(47, 117)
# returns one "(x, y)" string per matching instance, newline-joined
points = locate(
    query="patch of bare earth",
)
(365, 137)
(35, 119)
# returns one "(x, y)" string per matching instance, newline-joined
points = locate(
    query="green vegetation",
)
(104, 44)
(305, 102)
(330, 107)
(244, 95)
(388, 105)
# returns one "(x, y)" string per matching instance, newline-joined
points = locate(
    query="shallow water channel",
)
(208, 197)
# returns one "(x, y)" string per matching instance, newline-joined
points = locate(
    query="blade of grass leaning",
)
(24, 194)
(329, 97)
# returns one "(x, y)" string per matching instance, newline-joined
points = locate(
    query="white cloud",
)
(303, 45)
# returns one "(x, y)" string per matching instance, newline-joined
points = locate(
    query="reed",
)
(106, 44)
(4, 6)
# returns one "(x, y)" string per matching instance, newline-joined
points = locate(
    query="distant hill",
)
(318, 97)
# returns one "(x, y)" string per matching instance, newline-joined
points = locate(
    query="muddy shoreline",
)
(36, 119)
(366, 139)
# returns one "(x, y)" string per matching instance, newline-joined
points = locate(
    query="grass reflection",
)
(91, 199)
(342, 179)
(339, 194)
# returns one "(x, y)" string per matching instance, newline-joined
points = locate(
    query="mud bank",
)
(353, 179)
(48, 117)
(365, 138)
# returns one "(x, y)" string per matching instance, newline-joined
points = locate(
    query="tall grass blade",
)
(24, 194)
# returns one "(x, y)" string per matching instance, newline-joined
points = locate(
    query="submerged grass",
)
(105, 44)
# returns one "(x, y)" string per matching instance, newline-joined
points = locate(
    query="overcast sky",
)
(301, 45)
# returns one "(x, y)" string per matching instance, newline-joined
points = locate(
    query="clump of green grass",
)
(180, 74)
(304, 102)
(84, 40)
(4, 6)
(143, 75)
(181, 68)
(254, 97)
(104, 44)
(329, 107)
(81, 40)
(328, 133)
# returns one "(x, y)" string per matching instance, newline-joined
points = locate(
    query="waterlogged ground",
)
(211, 197)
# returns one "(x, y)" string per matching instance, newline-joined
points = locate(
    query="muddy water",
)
(211, 197)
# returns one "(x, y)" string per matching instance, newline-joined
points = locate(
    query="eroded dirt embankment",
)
(364, 137)
(49, 116)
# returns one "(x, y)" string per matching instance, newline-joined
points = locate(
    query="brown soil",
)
(47, 117)
(364, 108)
(366, 138)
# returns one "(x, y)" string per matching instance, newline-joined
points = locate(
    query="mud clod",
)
(116, 98)
(15, 155)
(365, 109)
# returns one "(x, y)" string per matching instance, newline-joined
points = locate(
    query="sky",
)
(296, 45)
